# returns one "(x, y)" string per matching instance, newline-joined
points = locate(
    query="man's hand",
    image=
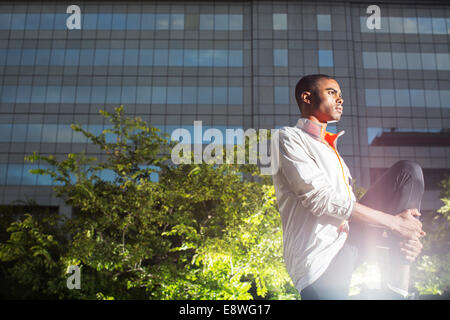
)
(411, 249)
(407, 226)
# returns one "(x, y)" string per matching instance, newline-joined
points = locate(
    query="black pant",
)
(400, 188)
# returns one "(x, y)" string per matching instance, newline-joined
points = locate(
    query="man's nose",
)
(340, 100)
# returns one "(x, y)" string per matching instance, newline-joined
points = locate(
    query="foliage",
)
(431, 274)
(198, 231)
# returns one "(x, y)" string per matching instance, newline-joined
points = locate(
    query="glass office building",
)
(230, 65)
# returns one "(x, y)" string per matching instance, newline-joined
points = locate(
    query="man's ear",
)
(305, 97)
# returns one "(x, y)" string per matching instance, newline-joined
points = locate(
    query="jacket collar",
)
(318, 131)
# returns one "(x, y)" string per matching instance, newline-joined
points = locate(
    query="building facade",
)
(230, 64)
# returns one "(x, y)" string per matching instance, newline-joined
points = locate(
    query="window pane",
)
(28, 56)
(417, 98)
(402, 98)
(89, 21)
(370, 60)
(129, 94)
(236, 22)
(5, 20)
(162, 21)
(174, 95)
(116, 57)
(414, 61)
(13, 58)
(98, 94)
(432, 98)
(101, 57)
(189, 95)
(220, 95)
(143, 95)
(159, 95)
(34, 132)
(175, 57)
(113, 94)
(221, 22)
(87, 57)
(23, 94)
(133, 21)
(279, 21)
(220, 58)
(325, 58)
(372, 98)
(206, 22)
(148, 21)
(425, 25)
(204, 95)
(104, 21)
(445, 98)
(410, 24)
(160, 57)
(19, 132)
(280, 57)
(119, 21)
(14, 174)
(18, 21)
(443, 61)
(68, 94)
(235, 58)
(428, 61)
(281, 95)
(145, 57)
(399, 60)
(235, 95)
(177, 21)
(205, 58)
(190, 58)
(439, 26)
(53, 94)
(323, 22)
(396, 24)
(131, 57)
(384, 60)
(387, 98)
(38, 94)
(72, 57)
(5, 132)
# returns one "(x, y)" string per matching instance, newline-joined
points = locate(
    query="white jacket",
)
(315, 198)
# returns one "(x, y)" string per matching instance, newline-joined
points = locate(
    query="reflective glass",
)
(439, 26)
(190, 58)
(174, 95)
(28, 57)
(143, 95)
(89, 21)
(113, 94)
(220, 58)
(399, 60)
(160, 57)
(410, 24)
(206, 22)
(104, 21)
(235, 58)
(205, 95)
(133, 21)
(323, 22)
(131, 57)
(49, 133)
(387, 97)
(148, 21)
(417, 98)
(53, 94)
(396, 24)
(445, 98)
(236, 22)
(176, 57)
(372, 97)
(402, 98)
(177, 21)
(221, 22)
(72, 57)
(189, 95)
(279, 21)
(68, 94)
(220, 95)
(432, 98)
(384, 60)
(370, 60)
(428, 61)
(5, 132)
(325, 58)
(116, 57)
(280, 57)
(425, 25)
(159, 95)
(235, 95)
(414, 61)
(23, 94)
(281, 95)
(119, 21)
(162, 21)
(443, 61)
(129, 94)
(5, 21)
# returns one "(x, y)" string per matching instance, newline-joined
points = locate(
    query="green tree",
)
(198, 231)
(431, 273)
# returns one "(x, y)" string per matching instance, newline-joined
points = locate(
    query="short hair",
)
(308, 83)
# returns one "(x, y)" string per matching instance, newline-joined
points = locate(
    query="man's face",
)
(328, 101)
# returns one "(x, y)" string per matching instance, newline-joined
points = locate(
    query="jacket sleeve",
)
(309, 182)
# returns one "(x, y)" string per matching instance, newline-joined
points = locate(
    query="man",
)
(316, 202)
